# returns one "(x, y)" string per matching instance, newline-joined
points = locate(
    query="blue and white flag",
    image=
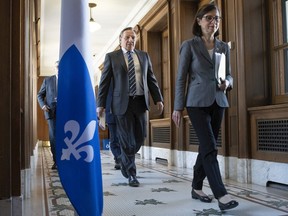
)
(77, 140)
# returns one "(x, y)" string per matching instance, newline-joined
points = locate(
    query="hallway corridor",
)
(164, 190)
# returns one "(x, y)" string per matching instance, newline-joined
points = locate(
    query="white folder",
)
(220, 66)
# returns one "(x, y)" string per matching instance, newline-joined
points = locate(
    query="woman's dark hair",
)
(196, 29)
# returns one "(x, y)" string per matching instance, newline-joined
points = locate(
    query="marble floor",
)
(164, 190)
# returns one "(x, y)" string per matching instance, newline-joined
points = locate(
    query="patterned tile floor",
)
(163, 191)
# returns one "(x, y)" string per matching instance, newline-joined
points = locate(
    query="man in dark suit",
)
(129, 104)
(111, 122)
(47, 99)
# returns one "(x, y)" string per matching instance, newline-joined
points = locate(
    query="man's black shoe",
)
(133, 182)
(117, 166)
(54, 167)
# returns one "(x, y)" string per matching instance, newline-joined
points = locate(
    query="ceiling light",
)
(94, 26)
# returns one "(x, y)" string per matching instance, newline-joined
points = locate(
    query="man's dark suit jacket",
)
(115, 66)
(47, 95)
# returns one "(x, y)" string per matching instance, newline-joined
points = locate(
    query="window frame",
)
(279, 51)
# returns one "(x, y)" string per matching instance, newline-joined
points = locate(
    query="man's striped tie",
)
(131, 74)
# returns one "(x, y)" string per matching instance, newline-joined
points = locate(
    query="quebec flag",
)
(77, 141)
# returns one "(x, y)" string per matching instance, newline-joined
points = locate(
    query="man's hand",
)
(46, 108)
(100, 111)
(160, 106)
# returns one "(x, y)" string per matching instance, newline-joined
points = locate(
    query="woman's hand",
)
(176, 116)
(224, 84)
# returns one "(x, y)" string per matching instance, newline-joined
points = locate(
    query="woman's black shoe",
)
(205, 199)
(229, 205)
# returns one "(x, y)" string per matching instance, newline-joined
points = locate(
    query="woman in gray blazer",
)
(204, 66)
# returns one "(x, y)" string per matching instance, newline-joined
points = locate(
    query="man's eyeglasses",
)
(210, 18)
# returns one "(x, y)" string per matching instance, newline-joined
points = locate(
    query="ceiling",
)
(112, 15)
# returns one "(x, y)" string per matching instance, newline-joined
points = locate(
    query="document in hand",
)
(102, 121)
(220, 66)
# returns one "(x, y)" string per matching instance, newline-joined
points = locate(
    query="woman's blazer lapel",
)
(203, 50)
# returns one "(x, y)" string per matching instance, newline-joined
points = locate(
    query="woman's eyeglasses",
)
(210, 18)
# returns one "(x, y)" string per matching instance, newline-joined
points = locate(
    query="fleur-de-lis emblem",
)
(73, 144)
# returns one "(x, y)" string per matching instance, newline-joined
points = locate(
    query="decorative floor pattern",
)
(163, 191)
(58, 201)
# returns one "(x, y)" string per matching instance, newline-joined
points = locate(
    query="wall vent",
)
(161, 135)
(272, 135)
(161, 161)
